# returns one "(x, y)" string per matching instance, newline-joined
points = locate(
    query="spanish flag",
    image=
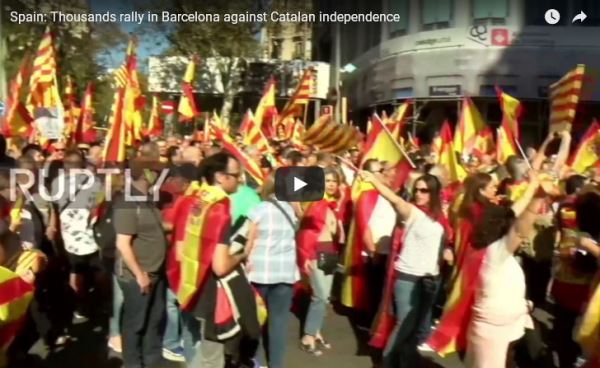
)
(72, 110)
(85, 131)
(505, 144)
(189, 265)
(114, 145)
(564, 96)
(511, 112)
(586, 153)
(155, 124)
(468, 127)
(15, 296)
(266, 110)
(17, 119)
(187, 104)
(448, 155)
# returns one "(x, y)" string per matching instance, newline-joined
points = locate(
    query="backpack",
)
(105, 234)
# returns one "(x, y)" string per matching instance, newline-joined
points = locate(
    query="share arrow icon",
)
(579, 17)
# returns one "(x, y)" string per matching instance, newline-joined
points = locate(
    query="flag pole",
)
(387, 131)
(523, 154)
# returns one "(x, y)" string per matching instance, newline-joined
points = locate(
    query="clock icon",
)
(552, 16)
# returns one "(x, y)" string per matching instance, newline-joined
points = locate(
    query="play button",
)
(299, 184)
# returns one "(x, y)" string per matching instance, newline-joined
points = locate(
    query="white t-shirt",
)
(421, 245)
(381, 224)
(502, 291)
(75, 227)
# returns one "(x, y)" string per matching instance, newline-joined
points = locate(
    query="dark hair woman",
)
(492, 310)
(318, 248)
(414, 267)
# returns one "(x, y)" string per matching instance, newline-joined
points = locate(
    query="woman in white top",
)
(416, 266)
(500, 310)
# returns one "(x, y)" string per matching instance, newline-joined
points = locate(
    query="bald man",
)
(192, 154)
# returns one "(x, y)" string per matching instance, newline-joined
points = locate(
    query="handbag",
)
(327, 258)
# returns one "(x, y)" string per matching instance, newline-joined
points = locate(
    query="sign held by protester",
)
(50, 122)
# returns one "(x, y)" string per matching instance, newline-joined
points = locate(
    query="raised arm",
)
(540, 155)
(563, 152)
(521, 205)
(402, 207)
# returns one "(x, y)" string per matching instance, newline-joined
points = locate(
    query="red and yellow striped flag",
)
(587, 153)
(564, 96)
(134, 101)
(15, 296)
(252, 135)
(17, 119)
(300, 99)
(298, 131)
(469, 125)
(187, 104)
(251, 166)
(266, 109)
(43, 85)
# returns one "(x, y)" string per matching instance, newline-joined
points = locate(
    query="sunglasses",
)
(422, 190)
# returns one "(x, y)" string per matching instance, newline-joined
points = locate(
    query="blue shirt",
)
(273, 259)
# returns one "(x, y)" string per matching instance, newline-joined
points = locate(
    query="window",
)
(401, 27)
(276, 49)
(535, 10)
(298, 48)
(436, 14)
(483, 9)
(495, 11)
(591, 8)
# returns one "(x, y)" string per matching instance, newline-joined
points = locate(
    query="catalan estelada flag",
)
(586, 153)
(15, 296)
(564, 96)
(188, 109)
(189, 266)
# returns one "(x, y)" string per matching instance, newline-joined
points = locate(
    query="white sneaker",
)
(424, 348)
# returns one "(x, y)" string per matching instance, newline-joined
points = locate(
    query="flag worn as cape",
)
(15, 296)
(207, 223)
(354, 287)
(450, 334)
(313, 224)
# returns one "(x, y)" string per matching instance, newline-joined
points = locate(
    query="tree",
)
(229, 43)
(79, 45)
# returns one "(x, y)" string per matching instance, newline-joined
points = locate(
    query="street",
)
(89, 349)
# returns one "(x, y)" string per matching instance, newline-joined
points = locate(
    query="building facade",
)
(442, 50)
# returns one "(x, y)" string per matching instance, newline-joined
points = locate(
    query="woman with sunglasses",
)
(414, 264)
(318, 244)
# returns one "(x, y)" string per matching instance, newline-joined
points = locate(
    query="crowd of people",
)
(204, 265)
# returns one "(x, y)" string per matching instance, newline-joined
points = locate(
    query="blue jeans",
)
(278, 299)
(114, 325)
(172, 337)
(199, 352)
(321, 289)
(413, 302)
